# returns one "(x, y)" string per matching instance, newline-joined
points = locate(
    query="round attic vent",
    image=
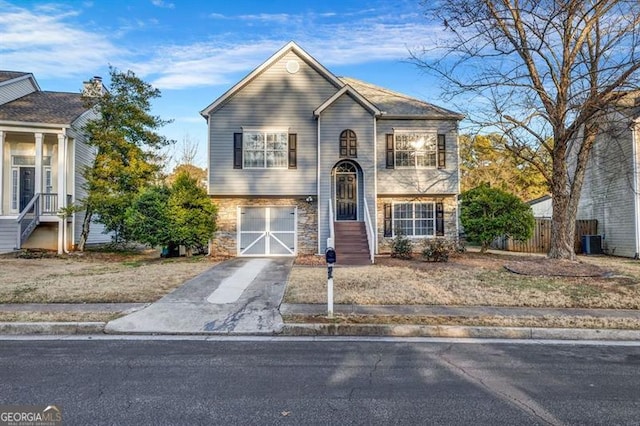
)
(293, 66)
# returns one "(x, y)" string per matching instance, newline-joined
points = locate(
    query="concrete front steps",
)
(352, 247)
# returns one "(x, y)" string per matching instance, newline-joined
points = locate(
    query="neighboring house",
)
(41, 154)
(610, 193)
(298, 156)
(541, 207)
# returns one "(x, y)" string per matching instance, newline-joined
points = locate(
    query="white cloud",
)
(163, 4)
(43, 43)
(49, 42)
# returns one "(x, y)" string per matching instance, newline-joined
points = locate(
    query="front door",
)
(27, 185)
(346, 192)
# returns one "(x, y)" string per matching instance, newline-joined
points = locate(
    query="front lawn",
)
(474, 279)
(95, 277)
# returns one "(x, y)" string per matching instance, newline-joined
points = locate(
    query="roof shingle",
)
(397, 104)
(10, 75)
(44, 107)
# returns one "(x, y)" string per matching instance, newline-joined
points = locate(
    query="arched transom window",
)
(348, 144)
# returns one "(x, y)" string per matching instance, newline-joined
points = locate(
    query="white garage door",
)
(267, 231)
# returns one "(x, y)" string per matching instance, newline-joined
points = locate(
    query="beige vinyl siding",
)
(16, 89)
(274, 99)
(607, 193)
(345, 113)
(418, 181)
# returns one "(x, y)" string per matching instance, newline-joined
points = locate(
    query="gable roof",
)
(44, 107)
(394, 104)
(10, 75)
(354, 94)
(289, 47)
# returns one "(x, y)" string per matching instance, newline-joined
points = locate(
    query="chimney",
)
(93, 88)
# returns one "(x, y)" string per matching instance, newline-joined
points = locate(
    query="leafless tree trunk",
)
(86, 224)
(543, 72)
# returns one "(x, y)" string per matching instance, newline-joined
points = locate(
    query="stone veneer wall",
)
(449, 203)
(225, 239)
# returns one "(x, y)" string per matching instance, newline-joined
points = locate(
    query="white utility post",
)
(330, 257)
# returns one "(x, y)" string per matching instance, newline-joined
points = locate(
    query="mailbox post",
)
(330, 257)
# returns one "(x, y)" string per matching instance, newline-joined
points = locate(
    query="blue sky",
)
(193, 51)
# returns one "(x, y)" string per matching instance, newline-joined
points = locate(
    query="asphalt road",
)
(187, 382)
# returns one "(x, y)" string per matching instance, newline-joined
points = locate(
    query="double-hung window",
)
(265, 149)
(414, 219)
(415, 149)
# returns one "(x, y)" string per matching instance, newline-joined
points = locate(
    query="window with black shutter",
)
(442, 152)
(388, 221)
(293, 151)
(237, 150)
(439, 219)
(389, 151)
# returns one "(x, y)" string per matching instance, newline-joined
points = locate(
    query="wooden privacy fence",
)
(541, 239)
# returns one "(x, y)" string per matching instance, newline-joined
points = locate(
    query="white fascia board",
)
(355, 95)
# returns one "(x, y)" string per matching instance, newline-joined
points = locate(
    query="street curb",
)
(378, 330)
(52, 328)
(389, 330)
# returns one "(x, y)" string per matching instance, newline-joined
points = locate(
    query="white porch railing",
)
(27, 221)
(370, 232)
(331, 241)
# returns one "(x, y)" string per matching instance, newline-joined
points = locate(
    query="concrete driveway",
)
(238, 296)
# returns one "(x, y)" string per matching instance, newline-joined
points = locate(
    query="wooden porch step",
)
(352, 247)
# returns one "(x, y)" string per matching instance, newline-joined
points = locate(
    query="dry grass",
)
(25, 316)
(483, 321)
(95, 277)
(471, 279)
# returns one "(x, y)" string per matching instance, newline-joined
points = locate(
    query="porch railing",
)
(331, 241)
(27, 221)
(49, 204)
(370, 233)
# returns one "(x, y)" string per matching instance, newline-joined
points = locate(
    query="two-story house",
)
(42, 152)
(300, 159)
(611, 190)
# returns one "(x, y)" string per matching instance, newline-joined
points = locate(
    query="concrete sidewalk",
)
(239, 296)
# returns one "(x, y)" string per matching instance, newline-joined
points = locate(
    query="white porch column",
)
(38, 177)
(2, 191)
(62, 188)
(62, 171)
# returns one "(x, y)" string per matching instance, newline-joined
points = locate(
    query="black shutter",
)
(390, 164)
(439, 219)
(237, 150)
(388, 221)
(293, 147)
(442, 152)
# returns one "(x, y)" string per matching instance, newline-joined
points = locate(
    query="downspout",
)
(65, 234)
(634, 149)
(375, 184)
(318, 186)
(73, 189)
(459, 180)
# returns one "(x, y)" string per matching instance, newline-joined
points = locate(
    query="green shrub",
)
(487, 213)
(401, 247)
(439, 250)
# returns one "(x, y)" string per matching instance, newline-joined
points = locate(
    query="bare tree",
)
(543, 72)
(188, 151)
